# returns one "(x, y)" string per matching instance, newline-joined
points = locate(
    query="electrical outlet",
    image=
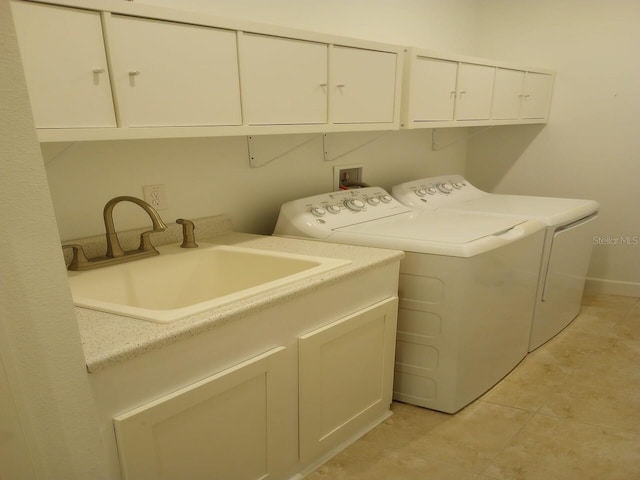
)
(156, 196)
(343, 175)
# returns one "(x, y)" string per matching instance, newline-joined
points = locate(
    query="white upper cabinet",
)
(172, 74)
(151, 72)
(521, 94)
(444, 90)
(65, 65)
(363, 85)
(449, 91)
(435, 100)
(284, 81)
(474, 91)
(508, 94)
(536, 95)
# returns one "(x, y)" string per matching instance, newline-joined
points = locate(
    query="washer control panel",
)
(319, 215)
(435, 192)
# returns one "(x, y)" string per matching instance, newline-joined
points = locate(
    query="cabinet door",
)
(221, 427)
(171, 74)
(346, 374)
(507, 94)
(475, 91)
(537, 95)
(433, 89)
(65, 65)
(363, 85)
(284, 81)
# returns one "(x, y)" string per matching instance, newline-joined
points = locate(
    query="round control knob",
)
(431, 190)
(444, 187)
(333, 209)
(354, 204)
(458, 185)
(386, 198)
(373, 201)
(318, 211)
(421, 192)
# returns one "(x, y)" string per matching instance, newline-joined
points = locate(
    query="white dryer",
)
(567, 246)
(467, 287)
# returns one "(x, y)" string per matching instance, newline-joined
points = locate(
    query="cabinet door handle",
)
(340, 85)
(323, 84)
(134, 72)
(462, 92)
(98, 70)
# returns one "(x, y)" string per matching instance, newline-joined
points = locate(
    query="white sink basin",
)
(181, 282)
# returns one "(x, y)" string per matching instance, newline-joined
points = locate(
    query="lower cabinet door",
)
(221, 427)
(345, 375)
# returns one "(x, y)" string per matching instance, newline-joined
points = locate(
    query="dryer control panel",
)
(319, 215)
(436, 192)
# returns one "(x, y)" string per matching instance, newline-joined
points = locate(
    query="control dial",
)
(318, 211)
(431, 190)
(386, 198)
(333, 209)
(421, 192)
(354, 204)
(444, 187)
(373, 201)
(458, 185)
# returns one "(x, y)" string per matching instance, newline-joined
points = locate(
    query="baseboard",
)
(333, 452)
(611, 287)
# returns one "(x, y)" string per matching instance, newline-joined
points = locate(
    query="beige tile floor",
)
(569, 411)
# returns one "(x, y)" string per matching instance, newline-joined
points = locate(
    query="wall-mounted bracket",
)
(462, 134)
(338, 145)
(265, 149)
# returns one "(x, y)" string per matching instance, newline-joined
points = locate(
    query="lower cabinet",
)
(222, 427)
(346, 375)
(239, 423)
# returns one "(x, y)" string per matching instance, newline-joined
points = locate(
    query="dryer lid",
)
(551, 211)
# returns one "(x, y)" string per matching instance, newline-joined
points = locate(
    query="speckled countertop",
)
(108, 338)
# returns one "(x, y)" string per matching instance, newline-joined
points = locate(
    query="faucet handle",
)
(188, 235)
(79, 260)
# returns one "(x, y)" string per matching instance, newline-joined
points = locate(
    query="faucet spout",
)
(114, 249)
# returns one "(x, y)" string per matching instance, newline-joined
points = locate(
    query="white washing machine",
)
(567, 246)
(467, 287)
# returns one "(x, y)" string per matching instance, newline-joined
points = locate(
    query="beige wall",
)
(594, 131)
(591, 146)
(589, 149)
(48, 423)
(437, 24)
(210, 176)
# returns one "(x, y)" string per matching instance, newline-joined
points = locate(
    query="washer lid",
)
(548, 210)
(438, 226)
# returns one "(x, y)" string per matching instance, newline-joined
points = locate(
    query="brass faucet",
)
(115, 254)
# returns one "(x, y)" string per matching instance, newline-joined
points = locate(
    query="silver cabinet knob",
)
(98, 70)
(134, 72)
